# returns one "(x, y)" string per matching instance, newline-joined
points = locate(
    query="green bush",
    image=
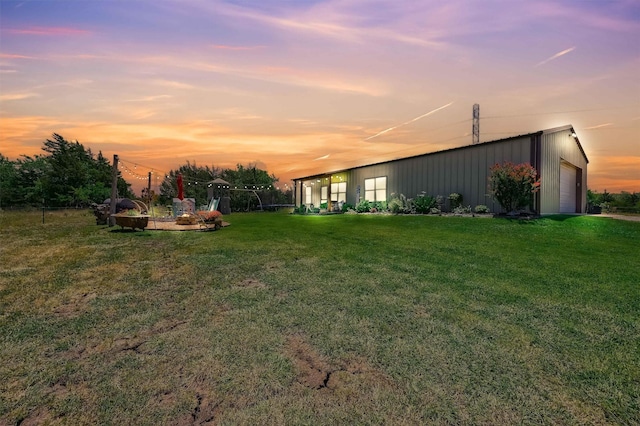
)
(462, 210)
(481, 208)
(380, 206)
(401, 204)
(346, 207)
(302, 209)
(363, 206)
(455, 200)
(424, 203)
(395, 205)
(324, 205)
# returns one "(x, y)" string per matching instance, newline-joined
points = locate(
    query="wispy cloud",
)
(599, 126)
(325, 20)
(228, 47)
(17, 96)
(601, 15)
(556, 56)
(47, 31)
(324, 157)
(410, 121)
(150, 98)
(14, 56)
(173, 84)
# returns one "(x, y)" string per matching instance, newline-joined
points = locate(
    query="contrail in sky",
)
(557, 55)
(599, 126)
(407, 122)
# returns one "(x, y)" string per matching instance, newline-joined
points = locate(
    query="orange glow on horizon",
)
(313, 87)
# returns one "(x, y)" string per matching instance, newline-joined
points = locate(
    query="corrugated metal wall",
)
(556, 147)
(464, 171)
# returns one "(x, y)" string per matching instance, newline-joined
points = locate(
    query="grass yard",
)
(348, 319)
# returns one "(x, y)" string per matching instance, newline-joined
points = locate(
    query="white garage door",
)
(567, 188)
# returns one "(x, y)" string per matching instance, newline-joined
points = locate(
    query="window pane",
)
(381, 195)
(334, 187)
(307, 195)
(342, 187)
(381, 182)
(369, 184)
(334, 196)
(370, 195)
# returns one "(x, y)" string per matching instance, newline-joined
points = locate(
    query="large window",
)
(307, 195)
(323, 194)
(339, 192)
(375, 189)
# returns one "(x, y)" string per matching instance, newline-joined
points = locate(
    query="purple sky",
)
(300, 87)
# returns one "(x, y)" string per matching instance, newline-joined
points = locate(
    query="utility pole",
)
(149, 191)
(476, 124)
(114, 190)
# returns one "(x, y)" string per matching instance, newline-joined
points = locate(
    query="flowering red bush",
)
(513, 185)
(210, 216)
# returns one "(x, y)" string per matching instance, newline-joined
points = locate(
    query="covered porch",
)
(325, 191)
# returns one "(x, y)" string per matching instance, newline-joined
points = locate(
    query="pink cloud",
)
(47, 31)
(14, 56)
(227, 47)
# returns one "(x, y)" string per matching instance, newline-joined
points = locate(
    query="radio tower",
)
(476, 123)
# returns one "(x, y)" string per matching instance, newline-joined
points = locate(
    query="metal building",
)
(555, 153)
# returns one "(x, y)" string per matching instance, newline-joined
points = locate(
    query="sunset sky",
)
(301, 87)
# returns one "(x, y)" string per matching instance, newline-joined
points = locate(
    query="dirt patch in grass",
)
(311, 369)
(78, 305)
(251, 283)
(346, 378)
(205, 411)
(39, 416)
(124, 343)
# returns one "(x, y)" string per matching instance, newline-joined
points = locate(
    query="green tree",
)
(251, 178)
(513, 185)
(31, 175)
(75, 178)
(627, 199)
(606, 197)
(194, 178)
(8, 182)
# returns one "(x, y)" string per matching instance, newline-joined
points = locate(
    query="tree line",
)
(624, 201)
(69, 175)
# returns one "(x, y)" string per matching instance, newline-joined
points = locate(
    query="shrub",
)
(513, 185)
(379, 206)
(481, 208)
(401, 204)
(462, 210)
(455, 200)
(363, 206)
(346, 207)
(302, 209)
(324, 205)
(395, 205)
(439, 202)
(435, 210)
(424, 203)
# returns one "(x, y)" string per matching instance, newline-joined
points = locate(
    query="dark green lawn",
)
(346, 319)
